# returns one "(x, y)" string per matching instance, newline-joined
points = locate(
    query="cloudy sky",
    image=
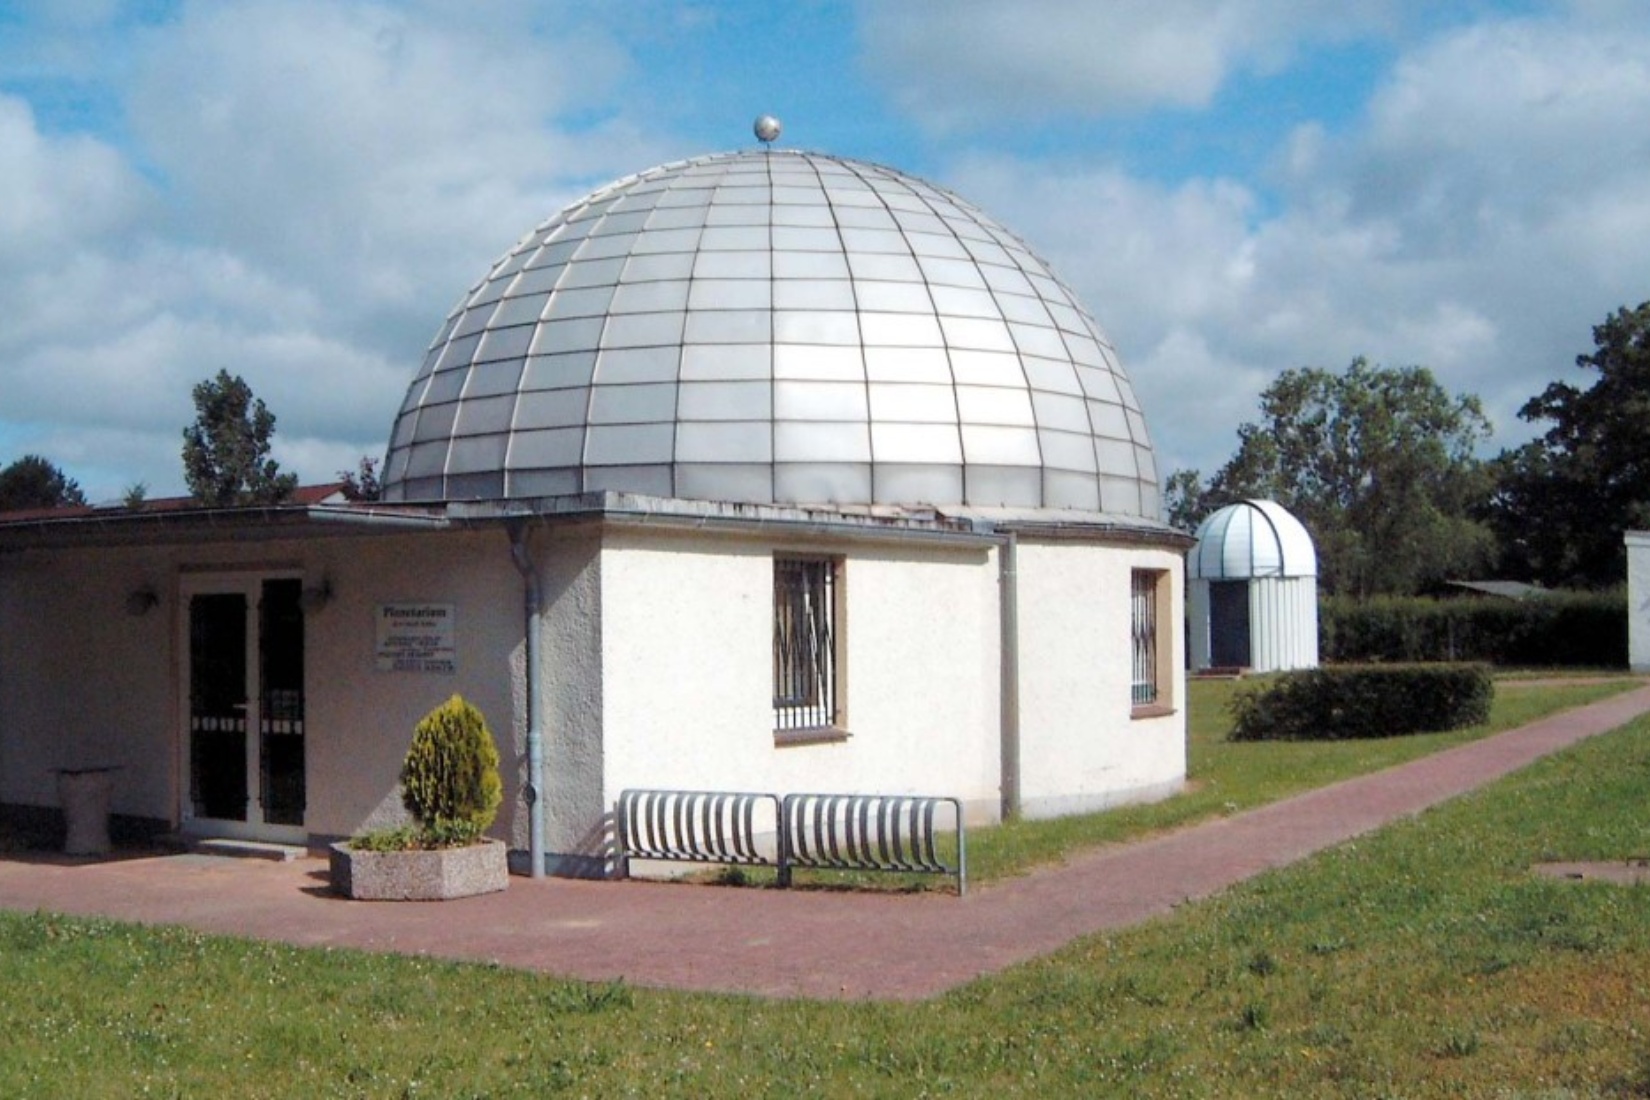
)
(298, 190)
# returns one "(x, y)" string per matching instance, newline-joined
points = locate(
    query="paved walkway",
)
(788, 943)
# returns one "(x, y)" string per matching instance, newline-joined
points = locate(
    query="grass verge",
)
(1225, 777)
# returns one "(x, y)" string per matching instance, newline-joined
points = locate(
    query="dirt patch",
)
(1627, 872)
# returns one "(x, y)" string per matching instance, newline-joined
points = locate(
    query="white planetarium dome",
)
(774, 327)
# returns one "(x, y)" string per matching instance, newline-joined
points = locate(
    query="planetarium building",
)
(766, 470)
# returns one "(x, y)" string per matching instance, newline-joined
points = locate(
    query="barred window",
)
(804, 643)
(1144, 624)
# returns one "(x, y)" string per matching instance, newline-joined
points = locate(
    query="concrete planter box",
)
(420, 876)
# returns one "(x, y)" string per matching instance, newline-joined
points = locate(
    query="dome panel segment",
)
(775, 327)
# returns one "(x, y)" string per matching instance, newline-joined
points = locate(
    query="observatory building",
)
(1252, 597)
(766, 470)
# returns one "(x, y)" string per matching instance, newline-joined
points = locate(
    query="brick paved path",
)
(788, 943)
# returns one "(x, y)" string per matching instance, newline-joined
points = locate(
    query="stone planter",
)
(420, 876)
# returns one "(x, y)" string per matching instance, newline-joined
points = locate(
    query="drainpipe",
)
(1009, 692)
(535, 730)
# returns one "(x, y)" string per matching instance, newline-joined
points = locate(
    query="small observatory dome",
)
(1252, 538)
(774, 327)
(1252, 590)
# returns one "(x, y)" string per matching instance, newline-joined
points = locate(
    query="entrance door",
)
(244, 736)
(1229, 624)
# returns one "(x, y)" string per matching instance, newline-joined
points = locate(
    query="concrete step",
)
(248, 849)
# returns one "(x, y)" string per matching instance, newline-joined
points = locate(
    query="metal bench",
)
(697, 827)
(838, 832)
(869, 832)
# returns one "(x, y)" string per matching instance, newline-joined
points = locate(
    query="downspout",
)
(1009, 692)
(523, 559)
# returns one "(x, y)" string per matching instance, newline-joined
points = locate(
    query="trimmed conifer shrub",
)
(449, 780)
(1350, 701)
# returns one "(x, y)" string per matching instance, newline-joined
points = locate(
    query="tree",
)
(225, 452)
(1185, 499)
(361, 484)
(1377, 462)
(34, 482)
(1563, 500)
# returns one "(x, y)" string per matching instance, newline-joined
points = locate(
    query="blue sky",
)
(297, 190)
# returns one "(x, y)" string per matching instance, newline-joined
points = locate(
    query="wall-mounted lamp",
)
(316, 596)
(141, 601)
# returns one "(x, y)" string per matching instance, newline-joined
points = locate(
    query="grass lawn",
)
(1422, 961)
(1225, 777)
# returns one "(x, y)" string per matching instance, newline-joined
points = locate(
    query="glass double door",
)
(244, 733)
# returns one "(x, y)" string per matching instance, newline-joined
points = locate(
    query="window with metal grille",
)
(804, 643)
(1144, 624)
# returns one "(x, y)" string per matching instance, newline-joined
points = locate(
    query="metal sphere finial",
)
(767, 129)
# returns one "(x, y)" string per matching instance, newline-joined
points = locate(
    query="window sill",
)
(822, 735)
(1151, 710)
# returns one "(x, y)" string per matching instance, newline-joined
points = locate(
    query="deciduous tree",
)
(1378, 463)
(226, 450)
(1563, 500)
(1185, 499)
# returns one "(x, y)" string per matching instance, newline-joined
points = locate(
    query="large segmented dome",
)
(781, 328)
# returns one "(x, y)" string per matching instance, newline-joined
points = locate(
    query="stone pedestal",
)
(84, 794)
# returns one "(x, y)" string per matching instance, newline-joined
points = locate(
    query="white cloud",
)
(57, 190)
(297, 192)
(1488, 210)
(327, 178)
(1501, 122)
(1171, 274)
(370, 151)
(1195, 394)
(1502, 171)
(951, 65)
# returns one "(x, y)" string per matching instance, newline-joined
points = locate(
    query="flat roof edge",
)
(138, 528)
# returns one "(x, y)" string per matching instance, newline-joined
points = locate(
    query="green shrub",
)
(1338, 703)
(450, 782)
(1585, 629)
(401, 838)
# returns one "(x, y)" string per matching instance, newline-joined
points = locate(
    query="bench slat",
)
(868, 832)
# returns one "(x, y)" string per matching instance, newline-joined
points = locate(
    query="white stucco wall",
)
(688, 674)
(360, 720)
(1082, 744)
(1638, 600)
(570, 666)
(83, 682)
(656, 670)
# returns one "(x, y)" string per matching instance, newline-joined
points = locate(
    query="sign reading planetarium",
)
(416, 637)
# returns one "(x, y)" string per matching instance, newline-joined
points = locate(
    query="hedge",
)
(1586, 629)
(1352, 701)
